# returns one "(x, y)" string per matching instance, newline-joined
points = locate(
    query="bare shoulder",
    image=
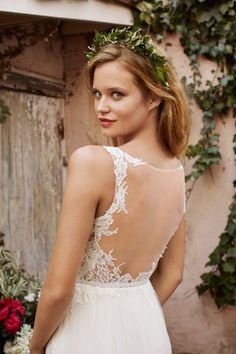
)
(89, 154)
(93, 160)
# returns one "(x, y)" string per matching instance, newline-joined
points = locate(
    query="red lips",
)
(106, 120)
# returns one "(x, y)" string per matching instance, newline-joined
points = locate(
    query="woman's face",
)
(118, 100)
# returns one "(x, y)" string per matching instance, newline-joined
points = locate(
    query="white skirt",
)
(112, 318)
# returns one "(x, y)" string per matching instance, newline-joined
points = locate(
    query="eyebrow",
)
(109, 89)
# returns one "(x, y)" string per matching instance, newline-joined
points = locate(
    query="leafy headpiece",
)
(136, 41)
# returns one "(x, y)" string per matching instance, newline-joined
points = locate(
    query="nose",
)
(102, 105)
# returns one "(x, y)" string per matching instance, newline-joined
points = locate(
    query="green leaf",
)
(227, 267)
(201, 289)
(232, 252)
(215, 257)
(223, 8)
(145, 18)
(204, 16)
(144, 6)
(221, 46)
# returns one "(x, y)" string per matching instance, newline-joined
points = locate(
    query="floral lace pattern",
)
(97, 265)
(89, 294)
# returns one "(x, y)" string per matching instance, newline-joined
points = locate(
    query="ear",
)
(153, 103)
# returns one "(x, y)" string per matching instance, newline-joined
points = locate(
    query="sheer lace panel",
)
(128, 240)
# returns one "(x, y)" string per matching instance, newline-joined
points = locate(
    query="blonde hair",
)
(173, 116)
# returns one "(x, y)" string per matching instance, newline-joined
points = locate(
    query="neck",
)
(145, 140)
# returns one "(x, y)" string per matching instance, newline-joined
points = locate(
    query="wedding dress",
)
(115, 309)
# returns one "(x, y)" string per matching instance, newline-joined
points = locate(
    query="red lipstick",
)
(105, 122)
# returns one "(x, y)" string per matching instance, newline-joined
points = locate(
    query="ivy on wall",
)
(206, 28)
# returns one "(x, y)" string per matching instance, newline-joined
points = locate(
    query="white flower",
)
(30, 297)
(39, 293)
(20, 345)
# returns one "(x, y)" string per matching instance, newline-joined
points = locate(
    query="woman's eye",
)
(117, 94)
(96, 94)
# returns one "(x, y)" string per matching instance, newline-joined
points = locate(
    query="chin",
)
(111, 134)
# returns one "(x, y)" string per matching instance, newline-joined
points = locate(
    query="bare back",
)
(127, 241)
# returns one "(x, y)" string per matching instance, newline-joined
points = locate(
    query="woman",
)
(111, 269)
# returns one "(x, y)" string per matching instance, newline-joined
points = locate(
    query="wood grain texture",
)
(30, 176)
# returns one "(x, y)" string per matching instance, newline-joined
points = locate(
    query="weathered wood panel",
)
(30, 176)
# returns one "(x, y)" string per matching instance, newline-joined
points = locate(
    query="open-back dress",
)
(115, 309)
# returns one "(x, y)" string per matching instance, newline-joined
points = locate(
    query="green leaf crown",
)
(136, 41)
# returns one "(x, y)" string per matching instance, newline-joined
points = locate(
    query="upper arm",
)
(79, 202)
(173, 257)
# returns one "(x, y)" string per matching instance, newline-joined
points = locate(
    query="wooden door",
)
(31, 176)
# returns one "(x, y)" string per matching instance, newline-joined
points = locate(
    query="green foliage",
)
(211, 33)
(16, 283)
(221, 280)
(136, 41)
(4, 111)
(206, 28)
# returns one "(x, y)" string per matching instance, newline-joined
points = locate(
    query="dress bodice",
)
(112, 248)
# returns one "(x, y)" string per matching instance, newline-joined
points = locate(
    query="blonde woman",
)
(119, 249)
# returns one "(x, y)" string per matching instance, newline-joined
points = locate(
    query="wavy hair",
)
(173, 128)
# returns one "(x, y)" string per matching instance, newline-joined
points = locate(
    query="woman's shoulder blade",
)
(94, 158)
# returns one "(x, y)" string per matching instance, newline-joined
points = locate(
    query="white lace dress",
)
(115, 309)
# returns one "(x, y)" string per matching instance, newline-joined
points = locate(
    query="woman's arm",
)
(80, 199)
(169, 273)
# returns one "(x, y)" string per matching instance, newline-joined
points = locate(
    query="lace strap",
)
(135, 161)
(119, 164)
(120, 172)
(117, 152)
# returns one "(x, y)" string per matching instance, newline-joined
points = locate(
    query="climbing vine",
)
(206, 28)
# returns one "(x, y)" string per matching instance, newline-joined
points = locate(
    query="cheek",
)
(131, 117)
(129, 108)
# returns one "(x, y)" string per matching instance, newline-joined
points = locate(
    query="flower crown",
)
(135, 41)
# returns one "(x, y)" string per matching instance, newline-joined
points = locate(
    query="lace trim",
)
(112, 284)
(97, 264)
(133, 160)
(89, 294)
